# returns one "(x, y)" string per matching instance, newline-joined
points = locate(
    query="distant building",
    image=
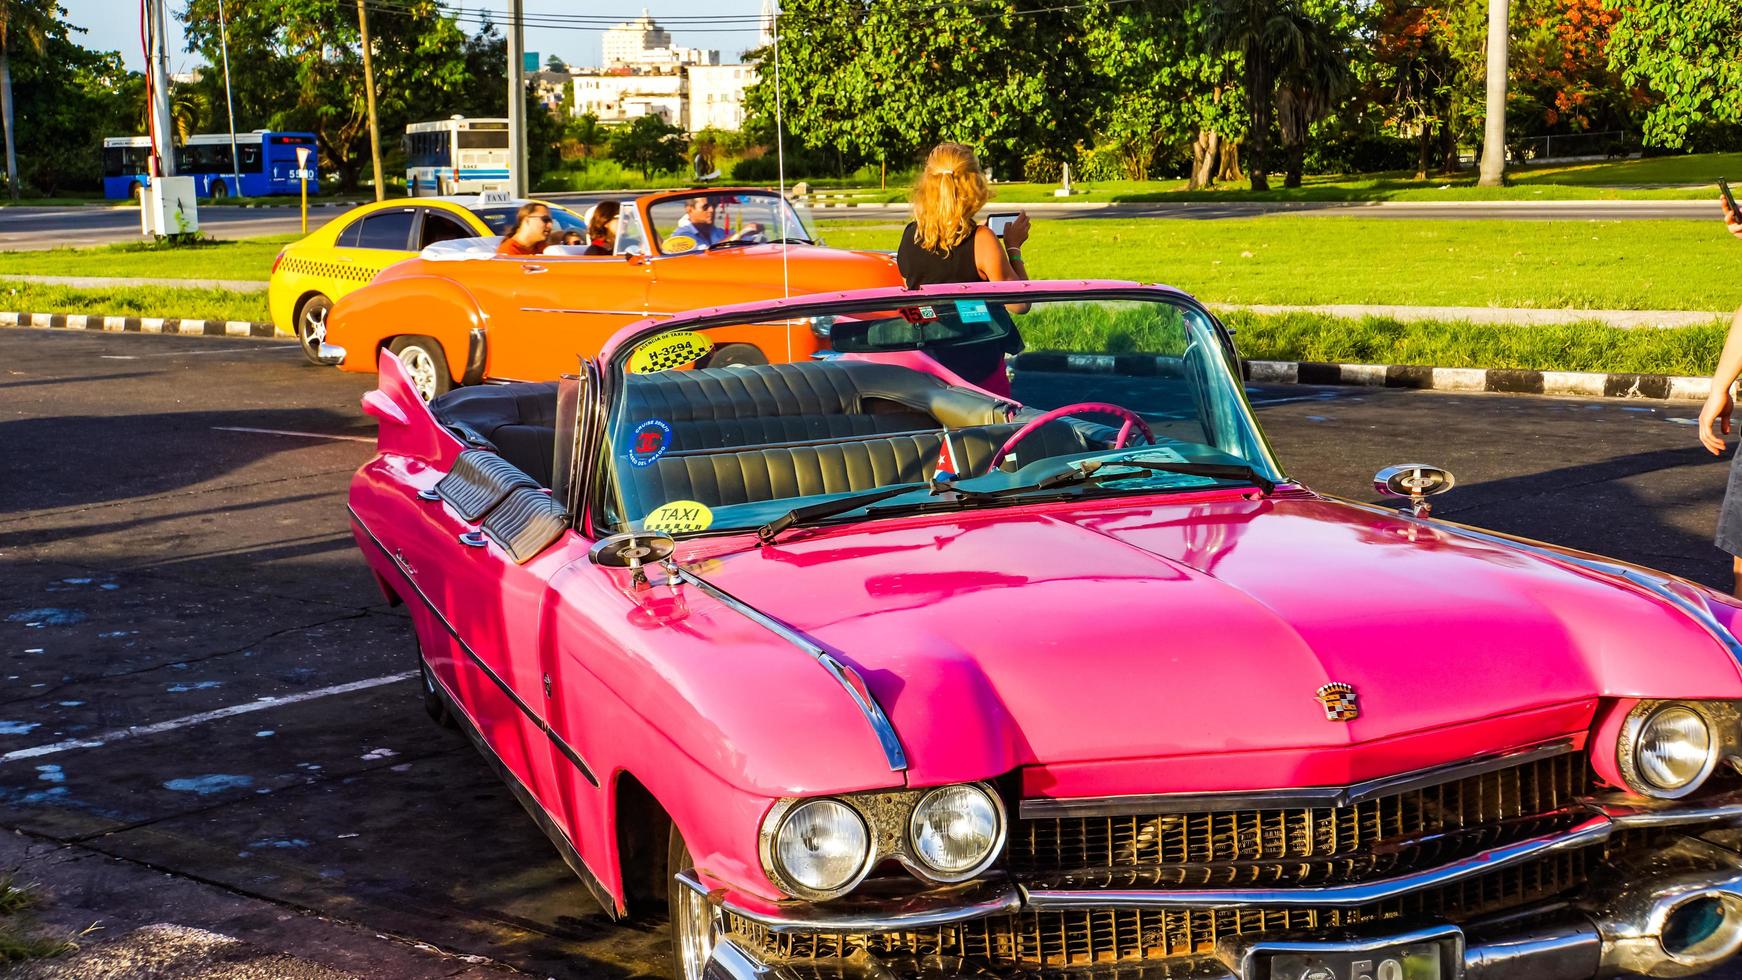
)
(549, 86)
(716, 95)
(620, 95)
(624, 44)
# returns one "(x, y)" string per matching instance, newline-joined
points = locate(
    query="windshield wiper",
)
(835, 508)
(1088, 472)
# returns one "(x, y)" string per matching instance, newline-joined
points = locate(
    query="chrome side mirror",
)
(1417, 481)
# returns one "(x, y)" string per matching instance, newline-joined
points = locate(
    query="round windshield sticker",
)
(680, 517)
(678, 243)
(648, 442)
(669, 350)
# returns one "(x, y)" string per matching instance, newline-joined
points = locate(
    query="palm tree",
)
(25, 21)
(1273, 38)
(1308, 91)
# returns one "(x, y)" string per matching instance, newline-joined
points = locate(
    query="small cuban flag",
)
(947, 469)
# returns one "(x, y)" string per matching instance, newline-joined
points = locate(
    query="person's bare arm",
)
(1715, 414)
(998, 265)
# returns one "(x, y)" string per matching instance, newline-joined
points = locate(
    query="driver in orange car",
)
(698, 224)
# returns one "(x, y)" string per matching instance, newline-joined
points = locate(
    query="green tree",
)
(585, 132)
(26, 24)
(555, 63)
(885, 79)
(67, 98)
(649, 144)
(1274, 39)
(1685, 53)
(1311, 85)
(297, 64)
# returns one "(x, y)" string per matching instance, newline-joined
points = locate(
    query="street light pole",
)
(369, 94)
(516, 100)
(1494, 131)
(229, 102)
(163, 125)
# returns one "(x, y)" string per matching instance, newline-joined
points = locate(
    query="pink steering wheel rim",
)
(1105, 408)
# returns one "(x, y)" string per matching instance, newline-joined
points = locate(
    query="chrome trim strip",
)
(1252, 959)
(729, 962)
(477, 661)
(638, 314)
(1592, 831)
(1306, 796)
(1656, 585)
(1566, 951)
(1627, 813)
(926, 913)
(844, 675)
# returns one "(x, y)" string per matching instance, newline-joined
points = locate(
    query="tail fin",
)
(407, 427)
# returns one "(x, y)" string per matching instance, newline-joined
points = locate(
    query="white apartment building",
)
(624, 44)
(621, 96)
(716, 95)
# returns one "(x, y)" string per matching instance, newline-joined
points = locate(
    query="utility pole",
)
(229, 103)
(516, 100)
(369, 94)
(162, 124)
(1494, 131)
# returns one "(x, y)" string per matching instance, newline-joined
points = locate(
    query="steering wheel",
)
(1106, 408)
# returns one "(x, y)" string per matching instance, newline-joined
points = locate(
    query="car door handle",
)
(472, 539)
(532, 269)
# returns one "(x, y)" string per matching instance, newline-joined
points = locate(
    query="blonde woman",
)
(944, 244)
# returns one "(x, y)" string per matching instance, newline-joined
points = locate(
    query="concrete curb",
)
(1580, 384)
(141, 324)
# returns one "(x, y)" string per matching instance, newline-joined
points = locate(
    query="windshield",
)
(689, 224)
(499, 218)
(731, 427)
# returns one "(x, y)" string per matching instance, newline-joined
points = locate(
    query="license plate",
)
(1411, 961)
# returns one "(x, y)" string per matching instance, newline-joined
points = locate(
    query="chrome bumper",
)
(1638, 919)
(331, 353)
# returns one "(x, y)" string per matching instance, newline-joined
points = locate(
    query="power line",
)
(594, 22)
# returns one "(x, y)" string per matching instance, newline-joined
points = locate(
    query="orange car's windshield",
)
(710, 219)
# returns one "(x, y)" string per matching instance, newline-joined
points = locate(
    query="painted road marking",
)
(122, 734)
(250, 349)
(299, 435)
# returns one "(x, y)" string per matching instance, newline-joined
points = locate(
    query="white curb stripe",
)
(122, 734)
(1573, 383)
(1274, 372)
(1460, 379)
(1371, 375)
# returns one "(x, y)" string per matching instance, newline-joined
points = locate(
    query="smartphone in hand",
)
(1000, 221)
(1729, 200)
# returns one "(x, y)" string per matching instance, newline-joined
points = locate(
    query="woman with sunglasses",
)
(530, 232)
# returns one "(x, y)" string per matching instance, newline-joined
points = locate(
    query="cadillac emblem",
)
(1339, 701)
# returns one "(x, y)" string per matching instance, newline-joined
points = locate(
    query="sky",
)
(113, 25)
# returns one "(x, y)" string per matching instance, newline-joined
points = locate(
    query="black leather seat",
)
(518, 421)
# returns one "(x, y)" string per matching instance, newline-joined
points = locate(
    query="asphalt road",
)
(23, 228)
(173, 542)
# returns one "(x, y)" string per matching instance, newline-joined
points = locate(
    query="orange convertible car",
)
(460, 314)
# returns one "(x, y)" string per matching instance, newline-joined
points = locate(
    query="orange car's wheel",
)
(311, 327)
(427, 364)
(692, 919)
(736, 355)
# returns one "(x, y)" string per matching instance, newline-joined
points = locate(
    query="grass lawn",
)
(1307, 260)
(249, 258)
(1686, 351)
(189, 304)
(1656, 178)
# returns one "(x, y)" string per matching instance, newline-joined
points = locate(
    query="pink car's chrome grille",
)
(1047, 940)
(1380, 837)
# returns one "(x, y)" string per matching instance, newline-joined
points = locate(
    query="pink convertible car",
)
(858, 670)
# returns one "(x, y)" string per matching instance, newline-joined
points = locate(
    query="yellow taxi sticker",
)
(680, 517)
(678, 243)
(669, 350)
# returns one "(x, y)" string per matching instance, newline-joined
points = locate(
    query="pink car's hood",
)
(1069, 638)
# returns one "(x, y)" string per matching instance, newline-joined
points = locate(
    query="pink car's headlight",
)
(1666, 749)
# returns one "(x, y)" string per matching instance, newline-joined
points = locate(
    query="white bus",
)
(456, 156)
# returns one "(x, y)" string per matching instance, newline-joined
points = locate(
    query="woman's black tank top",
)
(923, 267)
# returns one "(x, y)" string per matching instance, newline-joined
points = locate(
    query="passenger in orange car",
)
(602, 228)
(530, 232)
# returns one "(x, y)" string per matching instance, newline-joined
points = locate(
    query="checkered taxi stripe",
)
(343, 271)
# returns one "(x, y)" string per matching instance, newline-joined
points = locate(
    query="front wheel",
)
(692, 920)
(426, 363)
(311, 327)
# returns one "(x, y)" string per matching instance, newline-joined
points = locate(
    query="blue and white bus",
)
(456, 156)
(267, 164)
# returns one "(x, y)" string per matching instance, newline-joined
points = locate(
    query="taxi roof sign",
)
(495, 197)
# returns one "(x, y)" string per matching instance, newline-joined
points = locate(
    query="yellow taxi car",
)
(310, 275)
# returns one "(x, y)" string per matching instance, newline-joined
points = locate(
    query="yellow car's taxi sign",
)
(680, 517)
(669, 350)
